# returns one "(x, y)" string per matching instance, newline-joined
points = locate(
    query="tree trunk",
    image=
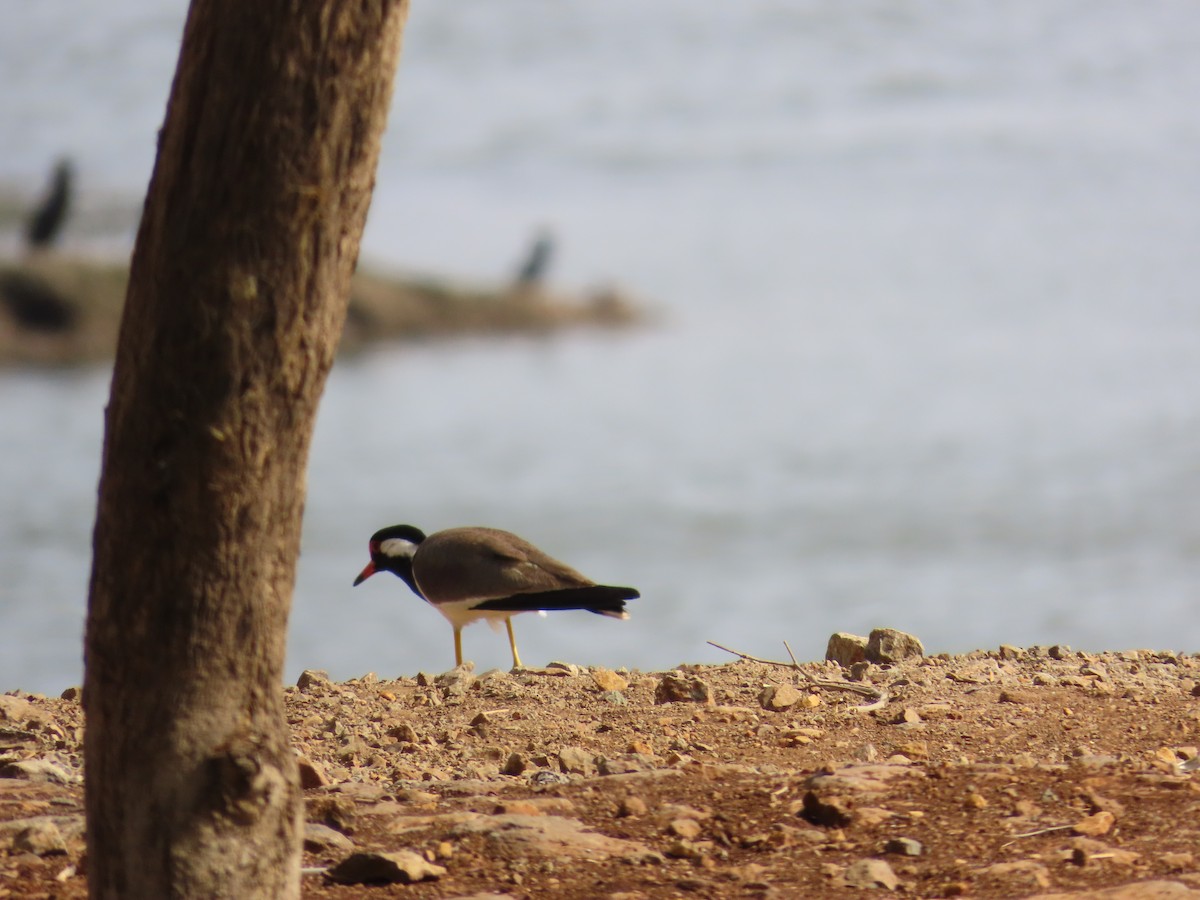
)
(236, 301)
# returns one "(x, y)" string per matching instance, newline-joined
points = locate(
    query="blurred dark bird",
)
(475, 573)
(34, 304)
(533, 270)
(44, 223)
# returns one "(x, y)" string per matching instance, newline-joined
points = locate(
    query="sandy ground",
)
(1007, 773)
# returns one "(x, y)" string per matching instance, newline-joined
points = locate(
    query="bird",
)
(46, 220)
(537, 260)
(474, 573)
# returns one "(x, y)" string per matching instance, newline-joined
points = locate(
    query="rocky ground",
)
(1036, 772)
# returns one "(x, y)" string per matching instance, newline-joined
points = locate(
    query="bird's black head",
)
(392, 550)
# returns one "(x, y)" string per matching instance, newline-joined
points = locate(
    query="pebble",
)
(516, 764)
(828, 812)
(887, 645)
(576, 761)
(311, 678)
(688, 829)
(40, 837)
(632, 806)
(676, 688)
(871, 873)
(1095, 824)
(35, 770)
(846, 649)
(904, 846)
(312, 774)
(457, 681)
(975, 800)
(779, 696)
(20, 711)
(608, 680)
(319, 837)
(906, 716)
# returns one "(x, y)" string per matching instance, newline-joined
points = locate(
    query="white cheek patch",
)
(398, 548)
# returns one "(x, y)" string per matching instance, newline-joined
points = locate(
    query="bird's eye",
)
(397, 548)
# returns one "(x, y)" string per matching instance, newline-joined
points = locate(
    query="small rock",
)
(1180, 862)
(858, 671)
(688, 829)
(906, 716)
(624, 766)
(631, 806)
(871, 873)
(310, 678)
(318, 837)
(1095, 824)
(913, 749)
(400, 867)
(975, 800)
(673, 688)
(312, 774)
(608, 680)
(887, 645)
(15, 709)
(404, 732)
(41, 837)
(829, 812)
(576, 761)
(516, 764)
(458, 680)
(334, 811)
(779, 696)
(72, 693)
(1018, 696)
(846, 649)
(871, 815)
(904, 846)
(682, 849)
(34, 770)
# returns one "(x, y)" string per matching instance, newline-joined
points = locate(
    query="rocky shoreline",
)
(1018, 772)
(63, 310)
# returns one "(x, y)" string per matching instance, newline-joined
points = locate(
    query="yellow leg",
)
(457, 646)
(512, 642)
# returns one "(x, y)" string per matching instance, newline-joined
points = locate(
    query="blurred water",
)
(929, 353)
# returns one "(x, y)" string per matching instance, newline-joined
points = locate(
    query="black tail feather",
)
(601, 599)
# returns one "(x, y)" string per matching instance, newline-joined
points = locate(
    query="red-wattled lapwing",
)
(485, 573)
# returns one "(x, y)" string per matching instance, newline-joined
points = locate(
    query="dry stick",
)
(1051, 828)
(1035, 834)
(879, 694)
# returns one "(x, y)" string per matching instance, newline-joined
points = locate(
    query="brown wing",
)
(482, 563)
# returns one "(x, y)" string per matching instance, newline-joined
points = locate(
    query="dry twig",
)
(879, 695)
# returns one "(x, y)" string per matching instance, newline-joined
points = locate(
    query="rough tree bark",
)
(236, 301)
